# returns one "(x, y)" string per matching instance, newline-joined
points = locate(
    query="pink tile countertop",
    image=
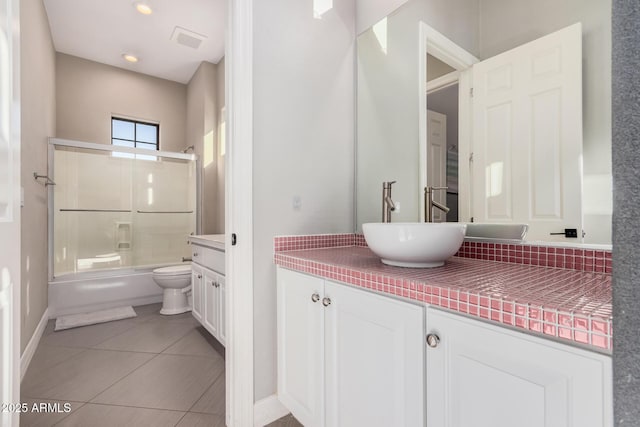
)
(563, 303)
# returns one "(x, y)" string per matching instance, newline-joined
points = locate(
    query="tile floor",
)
(151, 370)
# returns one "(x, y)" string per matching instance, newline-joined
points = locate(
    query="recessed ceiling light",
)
(143, 8)
(130, 58)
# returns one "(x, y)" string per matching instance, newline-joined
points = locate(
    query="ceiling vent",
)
(187, 38)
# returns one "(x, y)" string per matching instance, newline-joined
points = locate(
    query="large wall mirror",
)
(507, 103)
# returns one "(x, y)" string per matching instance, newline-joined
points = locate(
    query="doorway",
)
(444, 102)
(445, 84)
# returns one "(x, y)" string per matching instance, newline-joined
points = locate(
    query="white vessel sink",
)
(414, 244)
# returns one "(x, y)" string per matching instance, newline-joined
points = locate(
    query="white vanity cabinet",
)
(208, 289)
(197, 277)
(213, 291)
(481, 375)
(348, 357)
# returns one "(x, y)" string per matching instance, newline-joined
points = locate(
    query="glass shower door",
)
(119, 209)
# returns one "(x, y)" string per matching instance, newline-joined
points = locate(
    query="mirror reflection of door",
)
(437, 160)
(442, 140)
(442, 157)
(527, 135)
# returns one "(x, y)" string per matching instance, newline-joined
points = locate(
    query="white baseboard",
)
(267, 410)
(30, 349)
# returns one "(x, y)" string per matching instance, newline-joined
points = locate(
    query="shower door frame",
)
(60, 142)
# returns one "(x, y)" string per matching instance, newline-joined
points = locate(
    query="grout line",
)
(180, 420)
(82, 350)
(176, 341)
(121, 379)
(69, 414)
(205, 392)
(131, 406)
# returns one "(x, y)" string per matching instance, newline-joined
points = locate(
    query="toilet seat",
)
(174, 270)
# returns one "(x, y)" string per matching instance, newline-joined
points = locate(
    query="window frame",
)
(135, 132)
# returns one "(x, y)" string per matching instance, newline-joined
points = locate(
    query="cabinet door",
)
(481, 375)
(374, 351)
(211, 302)
(222, 321)
(300, 346)
(196, 291)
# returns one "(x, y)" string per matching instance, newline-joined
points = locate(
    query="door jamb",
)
(239, 214)
(438, 45)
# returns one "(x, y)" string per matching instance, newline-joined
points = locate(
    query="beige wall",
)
(203, 112)
(220, 182)
(89, 93)
(436, 68)
(38, 94)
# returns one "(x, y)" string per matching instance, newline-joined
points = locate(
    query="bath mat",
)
(84, 319)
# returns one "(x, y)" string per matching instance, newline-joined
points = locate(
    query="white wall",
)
(368, 12)
(89, 93)
(38, 122)
(508, 24)
(388, 103)
(303, 143)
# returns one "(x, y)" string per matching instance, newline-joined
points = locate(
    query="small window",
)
(134, 134)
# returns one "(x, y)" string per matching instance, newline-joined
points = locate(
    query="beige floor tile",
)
(92, 415)
(40, 416)
(142, 310)
(51, 324)
(196, 343)
(83, 376)
(47, 356)
(286, 421)
(151, 337)
(152, 312)
(166, 382)
(201, 420)
(88, 336)
(213, 400)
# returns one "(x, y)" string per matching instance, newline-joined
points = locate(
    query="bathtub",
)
(86, 292)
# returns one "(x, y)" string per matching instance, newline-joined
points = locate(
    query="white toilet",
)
(175, 281)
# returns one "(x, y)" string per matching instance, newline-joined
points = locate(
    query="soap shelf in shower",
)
(123, 236)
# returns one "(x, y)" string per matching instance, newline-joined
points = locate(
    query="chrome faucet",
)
(387, 203)
(429, 203)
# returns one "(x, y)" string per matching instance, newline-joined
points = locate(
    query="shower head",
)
(191, 147)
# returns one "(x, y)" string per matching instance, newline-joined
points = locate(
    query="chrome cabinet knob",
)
(199, 276)
(315, 297)
(433, 340)
(195, 254)
(326, 301)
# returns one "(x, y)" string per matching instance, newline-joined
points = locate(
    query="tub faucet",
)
(429, 203)
(387, 203)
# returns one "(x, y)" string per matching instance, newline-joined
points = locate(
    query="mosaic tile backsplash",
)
(591, 260)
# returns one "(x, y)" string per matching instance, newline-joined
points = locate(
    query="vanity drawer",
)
(208, 257)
